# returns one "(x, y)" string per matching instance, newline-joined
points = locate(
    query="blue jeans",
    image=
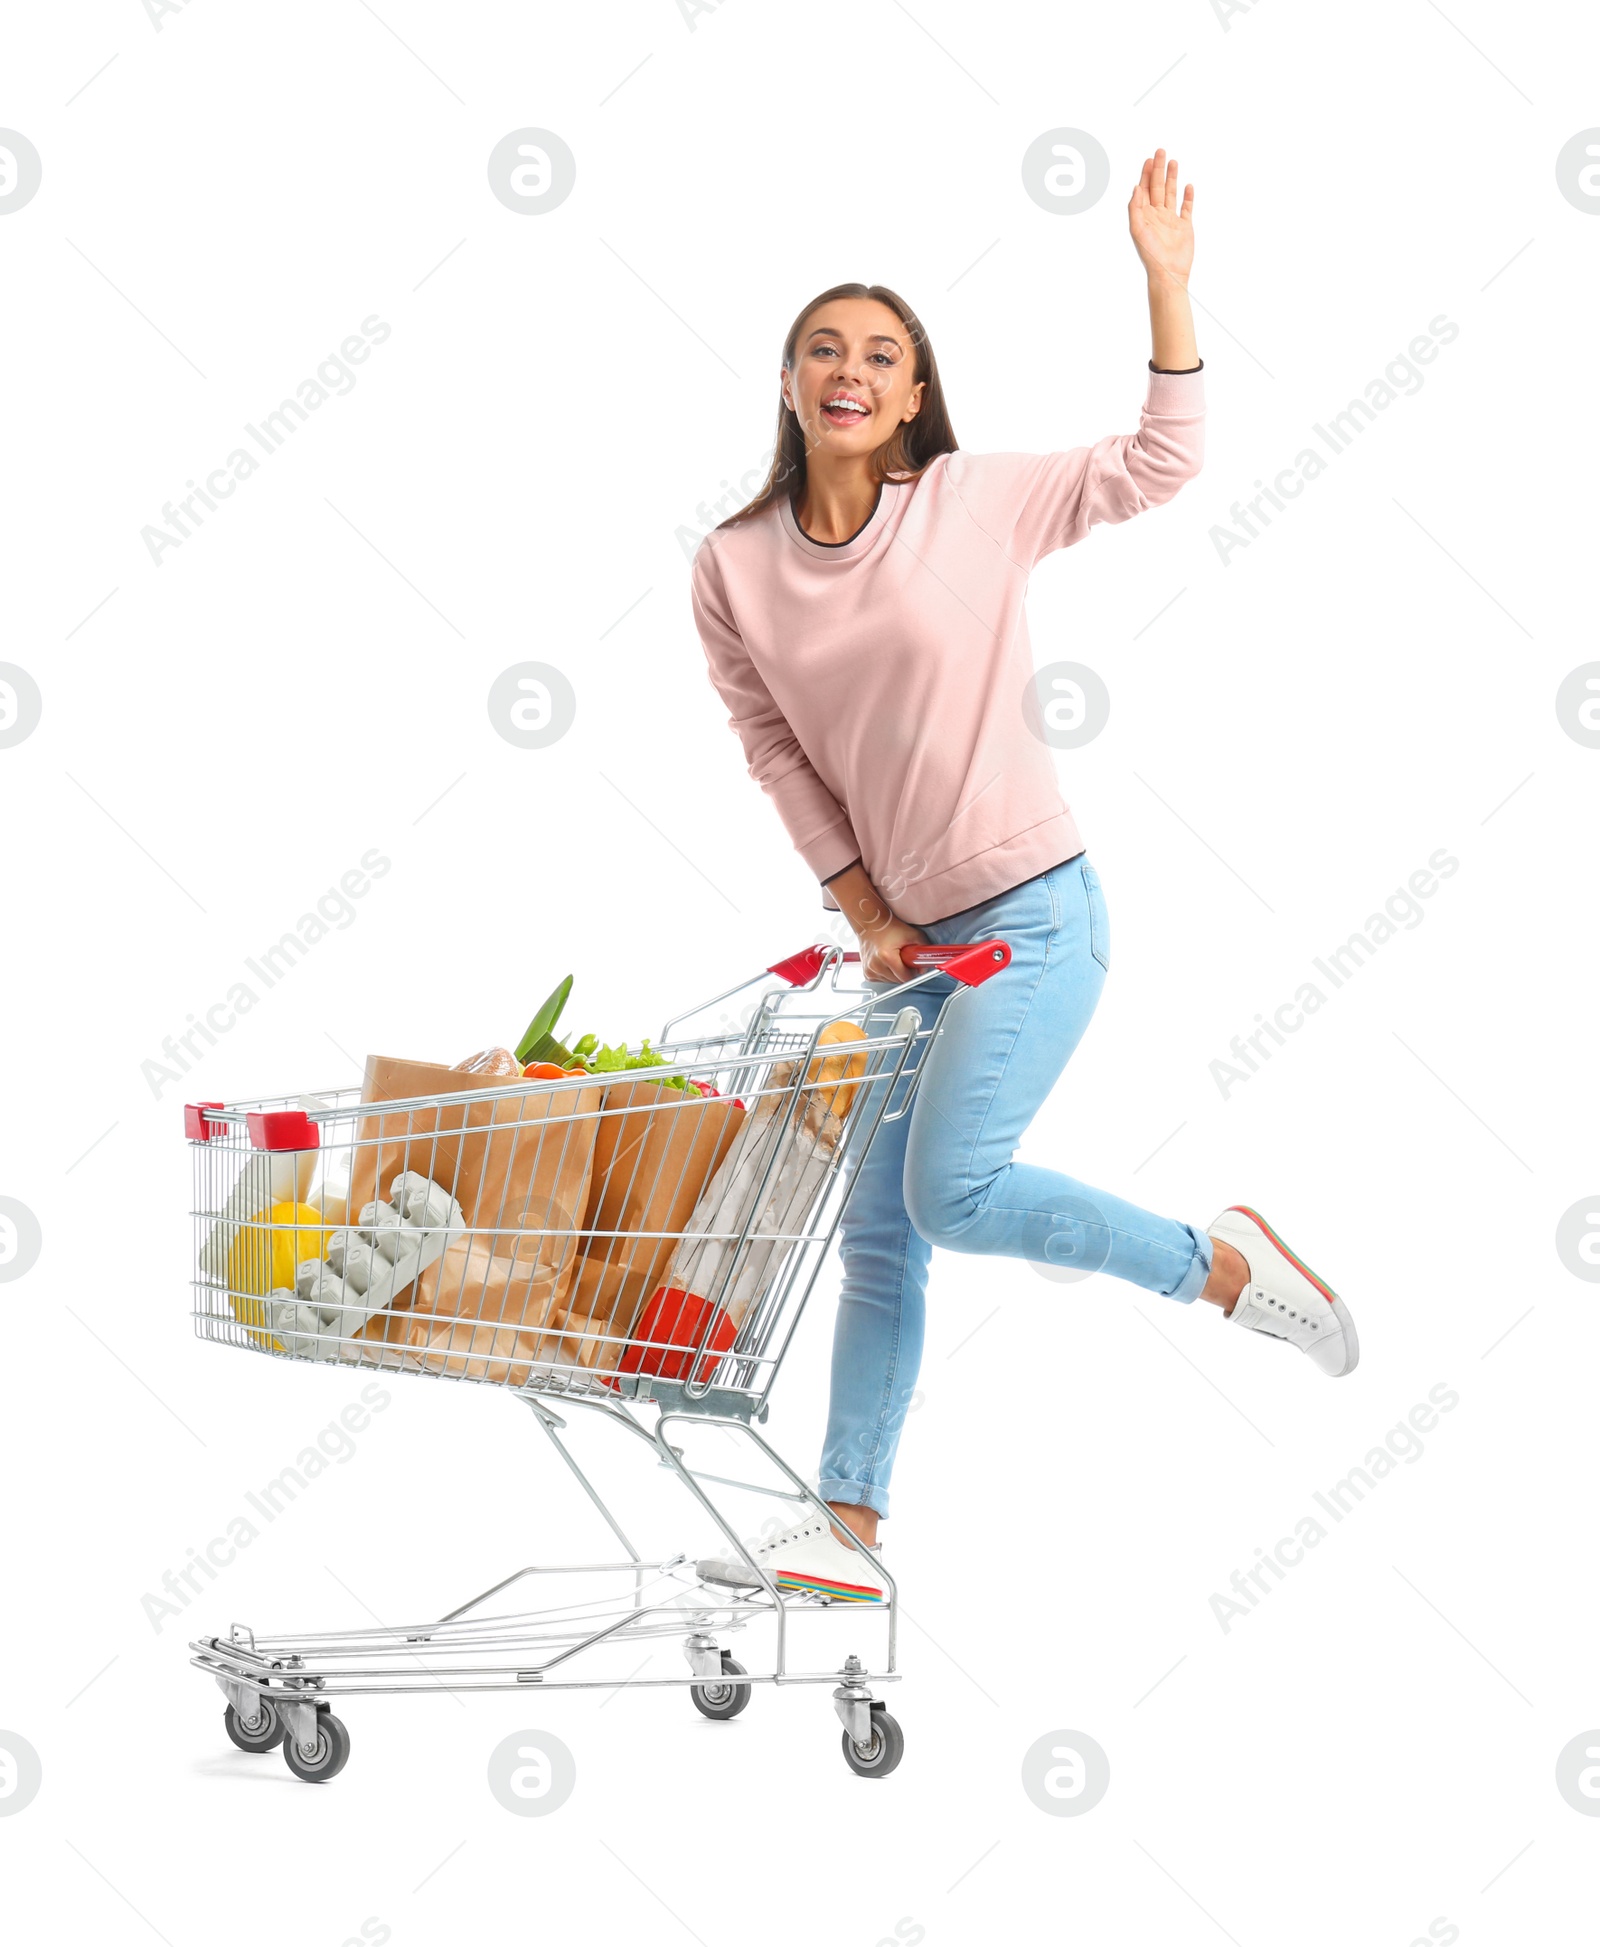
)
(944, 1174)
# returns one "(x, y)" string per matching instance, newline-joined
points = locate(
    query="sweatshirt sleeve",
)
(1031, 504)
(813, 817)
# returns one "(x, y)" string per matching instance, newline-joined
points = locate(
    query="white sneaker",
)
(807, 1559)
(1286, 1299)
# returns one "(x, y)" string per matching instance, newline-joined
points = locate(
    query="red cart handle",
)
(969, 964)
(282, 1129)
(274, 1129)
(197, 1125)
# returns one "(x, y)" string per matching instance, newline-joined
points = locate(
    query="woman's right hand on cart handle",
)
(879, 934)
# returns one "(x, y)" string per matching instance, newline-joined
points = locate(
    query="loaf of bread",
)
(490, 1061)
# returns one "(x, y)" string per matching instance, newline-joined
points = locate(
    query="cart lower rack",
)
(638, 1248)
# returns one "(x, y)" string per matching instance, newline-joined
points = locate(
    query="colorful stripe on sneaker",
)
(1273, 1238)
(825, 1585)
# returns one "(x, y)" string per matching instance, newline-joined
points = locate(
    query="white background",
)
(1373, 1748)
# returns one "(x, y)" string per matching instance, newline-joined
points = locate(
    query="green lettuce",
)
(601, 1059)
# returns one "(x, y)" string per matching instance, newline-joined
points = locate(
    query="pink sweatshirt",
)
(877, 685)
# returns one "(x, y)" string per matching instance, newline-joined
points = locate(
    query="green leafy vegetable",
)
(600, 1059)
(540, 1044)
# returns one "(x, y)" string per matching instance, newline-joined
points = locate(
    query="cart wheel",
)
(877, 1759)
(265, 1733)
(720, 1701)
(328, 1759)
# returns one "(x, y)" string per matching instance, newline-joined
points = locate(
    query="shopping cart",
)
(306, 1283)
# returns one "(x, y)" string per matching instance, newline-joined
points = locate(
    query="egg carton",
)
(366, 1267)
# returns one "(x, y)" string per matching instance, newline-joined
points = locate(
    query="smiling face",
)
(854, 378)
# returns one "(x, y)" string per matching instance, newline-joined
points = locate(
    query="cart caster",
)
(720, 1701)
(316, 1764)
(262, 1733)
(874, 1760)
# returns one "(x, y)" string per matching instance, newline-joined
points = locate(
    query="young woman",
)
(863, 621)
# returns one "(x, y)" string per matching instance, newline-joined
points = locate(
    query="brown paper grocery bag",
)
(518, 1165)
(482, 1314)
(655, 1151)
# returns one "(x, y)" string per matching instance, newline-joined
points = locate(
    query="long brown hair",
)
(904, 455)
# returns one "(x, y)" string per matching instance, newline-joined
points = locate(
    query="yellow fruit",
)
(265, 1253)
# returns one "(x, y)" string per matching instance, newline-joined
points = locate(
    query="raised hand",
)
(1161, 228)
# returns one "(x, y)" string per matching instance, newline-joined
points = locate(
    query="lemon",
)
(265, 1253)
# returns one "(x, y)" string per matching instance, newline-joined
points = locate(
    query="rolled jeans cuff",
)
(1193, 1281)
(856, 1494)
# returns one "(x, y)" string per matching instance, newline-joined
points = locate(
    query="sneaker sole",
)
(726, 1576)
(1346, 1323)
(1350, 1339)
(821, 1585)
